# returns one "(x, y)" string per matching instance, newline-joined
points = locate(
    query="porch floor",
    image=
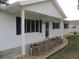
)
(57, 48)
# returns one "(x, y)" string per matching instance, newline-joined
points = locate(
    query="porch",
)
(46, 48)
(32, 24)
(36, 27)
(37, 36)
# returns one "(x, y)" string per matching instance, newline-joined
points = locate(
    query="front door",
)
(47, 29)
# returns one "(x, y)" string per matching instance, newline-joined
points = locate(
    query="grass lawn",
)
(69, 52)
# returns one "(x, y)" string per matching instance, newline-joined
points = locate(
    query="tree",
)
(3, 1)
(78, 4)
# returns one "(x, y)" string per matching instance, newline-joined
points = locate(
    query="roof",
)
(27, 3)
(74, 22)
(22, 3)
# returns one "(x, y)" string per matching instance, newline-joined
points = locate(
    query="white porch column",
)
(62, 29)
(23, 30)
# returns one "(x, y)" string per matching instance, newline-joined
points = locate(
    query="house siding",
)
(8, 38)
(10, 42)
(71, 29)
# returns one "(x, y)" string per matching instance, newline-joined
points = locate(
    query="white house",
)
(27, 22)
(73, 26)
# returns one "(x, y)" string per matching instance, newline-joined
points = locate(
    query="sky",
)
(69, 7)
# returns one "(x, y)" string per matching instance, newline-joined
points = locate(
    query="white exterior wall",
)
(10, 43)
(77, 29)
(66, 31)
(53, 32)
(34, 37)
(8, 38)
(57, 32)
(73, 29)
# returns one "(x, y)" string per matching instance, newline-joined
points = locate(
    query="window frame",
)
(29, 26)
(66, 25)
(56, 25)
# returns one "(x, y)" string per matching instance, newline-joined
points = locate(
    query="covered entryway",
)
(36, 27)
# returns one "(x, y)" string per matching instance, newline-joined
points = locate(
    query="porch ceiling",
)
(28, 14)
(35, 15)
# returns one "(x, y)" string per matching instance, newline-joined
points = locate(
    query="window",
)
(30, 25)
(65, 26)
(37, 26)
(33, 26)
(18, 25)
(25, 25)
(40, 25)
(74, 27)
(56, 25)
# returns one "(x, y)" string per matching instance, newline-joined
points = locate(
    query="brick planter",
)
(42, 48)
